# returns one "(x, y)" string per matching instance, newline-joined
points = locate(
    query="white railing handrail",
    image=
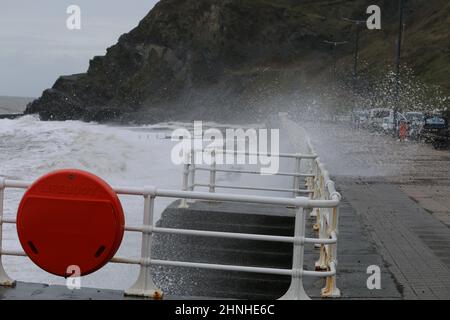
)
(198, 195)
(320, 190)
(146, 287)
(289, 174)
(248, 153)
(329, 184)
(327, 220)
(190, 169)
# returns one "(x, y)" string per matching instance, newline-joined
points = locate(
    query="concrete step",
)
(224, 220)
(235, 252)
(223, 284)
(220, 284)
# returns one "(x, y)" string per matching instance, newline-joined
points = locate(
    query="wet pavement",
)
(415, 245)
(400, 191)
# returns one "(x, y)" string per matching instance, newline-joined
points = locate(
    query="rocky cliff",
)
(227, 59)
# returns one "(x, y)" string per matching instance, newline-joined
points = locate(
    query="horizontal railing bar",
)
(16, 253)
(299, 201)
(267, 154)
(16, 184)
(289, 174)
(138, 229)
(222, 267)
(253, 188)
(8, 220)
(234, 235)
(331, 240)
(230, 235)
(319, 273)
(219, 234)
(132, 191)
(123, 260)
(196, 195)
(242, 236)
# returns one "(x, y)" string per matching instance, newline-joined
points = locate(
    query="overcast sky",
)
(36, 46)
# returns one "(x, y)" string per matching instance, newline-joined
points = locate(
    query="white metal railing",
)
(319, 186)
(323, 202)
(190, 169)
(327, 219)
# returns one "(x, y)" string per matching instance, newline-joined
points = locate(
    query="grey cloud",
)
(36, 47)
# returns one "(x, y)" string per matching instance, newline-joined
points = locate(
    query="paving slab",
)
(412, 241)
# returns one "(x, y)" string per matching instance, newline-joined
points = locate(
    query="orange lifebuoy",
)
(70, 218)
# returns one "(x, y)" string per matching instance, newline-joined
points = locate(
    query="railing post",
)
(297, 168)
(185, 183)
(315, 170)
(191, 183)
(310, 180)
(144, 285)
(192, 178)
(320, 194)
(310, 186)
(212, 173)
(322, 263)
(192, 173)
(296, 290)
(5, 280)
(331, 290)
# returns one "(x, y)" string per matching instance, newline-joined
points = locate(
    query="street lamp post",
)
(356, 55)
(335, 44)
(358, 24)
(397, 63)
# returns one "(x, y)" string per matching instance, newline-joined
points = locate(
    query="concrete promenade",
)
(400, 191)
(415, 245)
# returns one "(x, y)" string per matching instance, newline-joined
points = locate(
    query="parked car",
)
(415, 118)
(435, 131)
(360, 117)
(388, 122)
(376, 116)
